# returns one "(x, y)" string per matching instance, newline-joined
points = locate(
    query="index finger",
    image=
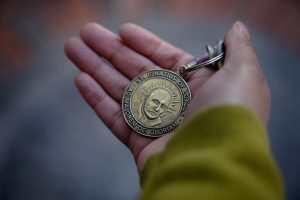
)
(151, 46)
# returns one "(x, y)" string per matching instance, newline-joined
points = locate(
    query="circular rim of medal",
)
(180, 114)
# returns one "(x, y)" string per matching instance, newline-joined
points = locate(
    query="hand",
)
(108, 62)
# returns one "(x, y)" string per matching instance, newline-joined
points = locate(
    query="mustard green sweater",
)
(222, 153)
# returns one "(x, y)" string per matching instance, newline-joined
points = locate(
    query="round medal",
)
(154, 102)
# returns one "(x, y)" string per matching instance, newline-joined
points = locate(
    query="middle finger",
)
(108, 45)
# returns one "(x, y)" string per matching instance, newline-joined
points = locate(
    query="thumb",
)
(239, 51)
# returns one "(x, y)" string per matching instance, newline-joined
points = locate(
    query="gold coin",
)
(154, 102)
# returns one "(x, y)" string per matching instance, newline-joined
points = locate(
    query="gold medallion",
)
(154, 102)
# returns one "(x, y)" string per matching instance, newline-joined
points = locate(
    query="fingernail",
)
(240, 27)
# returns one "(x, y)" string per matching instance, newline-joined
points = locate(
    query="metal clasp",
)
(213, 56)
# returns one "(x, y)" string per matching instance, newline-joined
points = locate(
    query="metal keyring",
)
(194, 66)
(211, 57)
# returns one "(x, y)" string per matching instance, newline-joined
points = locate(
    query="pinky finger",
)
(105, 106)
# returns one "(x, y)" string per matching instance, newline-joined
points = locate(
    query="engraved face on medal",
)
(154, 102)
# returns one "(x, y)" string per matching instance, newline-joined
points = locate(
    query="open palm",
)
(108, 62)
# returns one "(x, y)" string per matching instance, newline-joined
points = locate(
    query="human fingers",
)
(110, 46)
(151, 46)
(110, 113)
(105, 107)
(112, 81)
(239, 50)
(243, 69)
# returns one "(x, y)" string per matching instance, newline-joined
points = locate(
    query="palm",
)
(102, 83)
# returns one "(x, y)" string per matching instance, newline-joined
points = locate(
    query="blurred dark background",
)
(52, 145)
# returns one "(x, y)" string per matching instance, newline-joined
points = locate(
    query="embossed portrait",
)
(159, 100)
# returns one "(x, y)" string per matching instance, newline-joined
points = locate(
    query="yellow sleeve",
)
(221, 153)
